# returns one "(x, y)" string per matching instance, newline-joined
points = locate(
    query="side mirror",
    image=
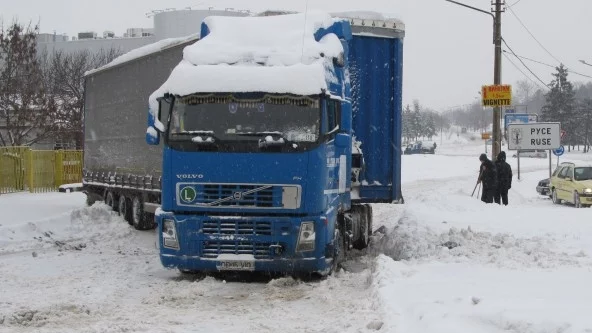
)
(155, 127)
(342, 140)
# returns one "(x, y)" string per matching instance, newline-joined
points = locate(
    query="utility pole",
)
(497, 78)
(497, 67)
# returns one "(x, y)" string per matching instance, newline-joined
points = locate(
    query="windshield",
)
(271, 118)
(584, 173)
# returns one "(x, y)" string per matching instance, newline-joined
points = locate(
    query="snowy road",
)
(526, 268)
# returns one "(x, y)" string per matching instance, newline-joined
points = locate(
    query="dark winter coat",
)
(504, 172)
(488, 174)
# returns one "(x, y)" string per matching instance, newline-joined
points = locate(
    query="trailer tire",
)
(140, 219)
(361, 213)
(369, 214)
(125, 209)
(110, 200)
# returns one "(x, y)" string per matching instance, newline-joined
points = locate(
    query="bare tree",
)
(64, 76)
(25, 108)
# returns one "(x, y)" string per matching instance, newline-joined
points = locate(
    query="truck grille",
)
(236, 228)
(239, 195)
(211, 249)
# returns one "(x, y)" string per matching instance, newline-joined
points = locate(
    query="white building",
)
(167, 24)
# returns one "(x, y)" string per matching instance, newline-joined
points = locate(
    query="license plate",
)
(236, 265)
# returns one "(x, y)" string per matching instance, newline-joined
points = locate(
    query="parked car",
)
(543, 187)
(419, 148)
(531, 153)
(572, 183)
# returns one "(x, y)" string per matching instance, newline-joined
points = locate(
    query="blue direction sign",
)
(559, 151)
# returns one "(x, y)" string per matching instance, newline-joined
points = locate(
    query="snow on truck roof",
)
(275, 54)
(144, 51)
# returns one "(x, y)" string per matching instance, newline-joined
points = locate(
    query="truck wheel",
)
(360, 212)
(124, 209)
(140, 220)
(370, 214)
(110, 200)
(338, 251)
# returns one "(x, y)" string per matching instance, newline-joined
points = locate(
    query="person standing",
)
(488, 178)
(504, 179)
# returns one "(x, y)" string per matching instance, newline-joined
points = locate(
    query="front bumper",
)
(258, 243)
(543, 190)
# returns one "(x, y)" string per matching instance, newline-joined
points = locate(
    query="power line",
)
(521, 71)
(548, 65)
(532, 35)
(514, 4)
(523, 64)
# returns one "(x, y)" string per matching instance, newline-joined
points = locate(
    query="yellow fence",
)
(23, 169)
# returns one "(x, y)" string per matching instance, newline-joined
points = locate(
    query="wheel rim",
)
(136, 210)
(122, 207)
(109, 199)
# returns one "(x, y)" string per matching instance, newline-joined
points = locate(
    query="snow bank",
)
(144, 51)
(275, 54)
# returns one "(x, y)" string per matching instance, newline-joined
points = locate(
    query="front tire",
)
(338, 251)
(554, 197)
(577, 201)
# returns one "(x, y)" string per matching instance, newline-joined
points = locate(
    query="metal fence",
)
(24, 169)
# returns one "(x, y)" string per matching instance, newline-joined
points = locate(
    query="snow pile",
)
(66, 231)
(144, 51)
(413, 242)
(275, 54)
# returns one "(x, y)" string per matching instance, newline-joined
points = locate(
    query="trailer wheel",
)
(110, 200)
(125, 209)
(369, 215)
(140, 219)
(360, 212)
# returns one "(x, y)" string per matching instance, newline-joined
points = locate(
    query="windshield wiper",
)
(202, 137)
(265, 142)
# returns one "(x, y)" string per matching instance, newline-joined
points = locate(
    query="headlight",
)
(169, 234)
(588, 190)
(306, 237)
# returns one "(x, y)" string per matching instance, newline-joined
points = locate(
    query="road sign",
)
(534, 136)
(520, 118)
(510, 110)
(497, 95)
(559, 151)
(485, 136)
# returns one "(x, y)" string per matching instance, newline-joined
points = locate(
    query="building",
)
(167, 24)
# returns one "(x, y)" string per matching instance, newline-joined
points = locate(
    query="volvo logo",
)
(237, 195)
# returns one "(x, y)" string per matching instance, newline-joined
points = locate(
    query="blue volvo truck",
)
(270, 160)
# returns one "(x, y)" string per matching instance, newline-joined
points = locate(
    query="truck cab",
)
(263, 169)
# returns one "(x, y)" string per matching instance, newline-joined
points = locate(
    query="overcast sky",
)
(448, 49)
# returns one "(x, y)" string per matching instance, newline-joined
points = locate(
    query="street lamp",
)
(585, 63)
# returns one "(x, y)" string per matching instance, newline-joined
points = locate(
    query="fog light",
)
(306, 237)
(169, 235)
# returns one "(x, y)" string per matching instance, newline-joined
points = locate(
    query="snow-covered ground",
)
(446, 263)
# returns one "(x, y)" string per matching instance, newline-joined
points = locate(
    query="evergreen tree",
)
(560, 105)
(407, 133)
(416, 124)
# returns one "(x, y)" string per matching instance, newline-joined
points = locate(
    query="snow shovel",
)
(478, 183)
